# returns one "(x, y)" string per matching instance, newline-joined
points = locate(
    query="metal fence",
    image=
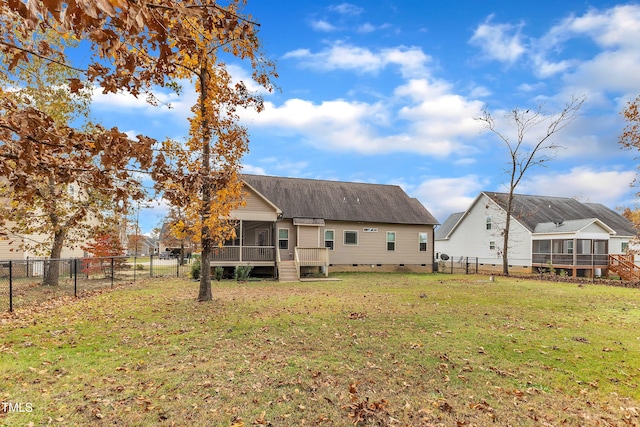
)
(457, 265)
(25, 282)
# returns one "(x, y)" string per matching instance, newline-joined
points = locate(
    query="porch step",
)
(287, 272)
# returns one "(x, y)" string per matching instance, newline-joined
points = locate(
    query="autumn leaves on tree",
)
(135, 47)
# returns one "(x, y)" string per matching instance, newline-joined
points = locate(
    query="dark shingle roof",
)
(340, 201)
(533, 210)
(442, 232)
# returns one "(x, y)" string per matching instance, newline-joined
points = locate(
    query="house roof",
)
(340, 201)
(570, 226)
(443, 231)
(530, 211)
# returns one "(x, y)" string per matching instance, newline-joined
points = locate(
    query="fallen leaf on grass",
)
(357, 316)
(373, 413)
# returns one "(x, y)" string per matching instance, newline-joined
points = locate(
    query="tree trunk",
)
(505, 240)
(52, 270)
(205, 273)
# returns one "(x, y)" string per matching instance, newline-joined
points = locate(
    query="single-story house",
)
(546, 232)
(290, 227)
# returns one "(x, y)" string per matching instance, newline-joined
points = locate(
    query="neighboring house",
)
(141, 245)
(299, 226)
(12, 248)
(17, 246)
(171, 247)
(545, 232)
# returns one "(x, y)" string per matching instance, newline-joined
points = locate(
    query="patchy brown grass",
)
(370, 350)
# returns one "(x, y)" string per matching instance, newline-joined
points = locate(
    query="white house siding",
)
(371, 249)
(615, 244)
(471, 238)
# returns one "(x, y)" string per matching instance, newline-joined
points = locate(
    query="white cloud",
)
(583, 183)
(323, 26)
(431, 123)
(613, 68)
(366, 28)
(501, 42)
(341, 56)
(423, 115)
(253, 170)
(346, 9)
(444, 196)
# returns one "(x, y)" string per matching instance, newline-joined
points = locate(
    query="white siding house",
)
(545, 232)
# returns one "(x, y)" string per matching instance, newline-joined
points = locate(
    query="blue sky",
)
(387, 91)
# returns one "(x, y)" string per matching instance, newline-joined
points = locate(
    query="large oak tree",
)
(137, 46)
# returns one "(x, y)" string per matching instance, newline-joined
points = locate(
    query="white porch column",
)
(241, 242)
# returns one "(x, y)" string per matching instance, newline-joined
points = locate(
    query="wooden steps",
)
(624, 266)
(287, 272)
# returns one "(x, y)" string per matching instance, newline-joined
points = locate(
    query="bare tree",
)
(530, 146)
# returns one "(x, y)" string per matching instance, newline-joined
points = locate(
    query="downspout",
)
(433, 248)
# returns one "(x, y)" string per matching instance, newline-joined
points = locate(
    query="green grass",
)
(372, 349)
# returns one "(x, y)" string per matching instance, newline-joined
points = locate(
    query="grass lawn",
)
(370, 350)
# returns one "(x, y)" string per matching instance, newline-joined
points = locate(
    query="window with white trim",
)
(422, 242)
(283, 238)
(350, 238)
(329, 236)
(492, 245)
(488, 222)
(391, 240)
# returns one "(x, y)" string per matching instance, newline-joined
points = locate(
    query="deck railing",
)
(624, 266)
(244, 254)
(597, 260)
(311, 257)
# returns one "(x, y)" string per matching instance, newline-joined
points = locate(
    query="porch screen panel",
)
(584, 247)
(600, 247)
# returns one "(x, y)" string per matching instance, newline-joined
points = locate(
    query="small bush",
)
(242, 272)
(139, 267)
(217, 273)
(195, 269)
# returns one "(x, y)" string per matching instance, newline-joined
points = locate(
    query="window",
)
(391, 240)
(492, 245)
(350, 238)
(422, 242)
(488, 222)
(624, 246)
(568, 246)
(328, 239)
(283, 238)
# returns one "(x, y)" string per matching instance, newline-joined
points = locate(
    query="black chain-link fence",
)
(25, 282)
(457, 265)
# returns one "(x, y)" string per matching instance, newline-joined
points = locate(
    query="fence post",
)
(150, 265)
(178, 267)
(135, 265)
(10, 286)
(75, 277)
(451, 265)
(112, 272)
